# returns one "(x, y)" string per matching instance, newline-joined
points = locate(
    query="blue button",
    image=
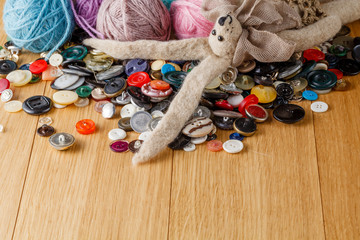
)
(167, 68)
(310, 95)
(236, 136)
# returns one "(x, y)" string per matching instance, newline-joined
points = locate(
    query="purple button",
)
(119, 146)
(136, 65)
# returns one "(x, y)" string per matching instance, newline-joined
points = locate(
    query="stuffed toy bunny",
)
(265, 30)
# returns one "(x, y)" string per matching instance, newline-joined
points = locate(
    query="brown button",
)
(45, 131)
(135, 145)
(247, 66)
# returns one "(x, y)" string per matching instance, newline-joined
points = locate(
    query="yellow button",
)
(26, 80)
(156, 65)
(265, 94)
(177, 67)
(13, 106)
(215, 83)
(65, 97)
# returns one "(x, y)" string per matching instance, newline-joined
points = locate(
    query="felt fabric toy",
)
(265, 30)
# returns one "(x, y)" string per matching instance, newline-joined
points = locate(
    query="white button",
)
(128, 111)
(190, 147)
(59, 106)
(199, 140)
(56, 59)
(13, 106)
(145, 135)
(82, 102)
(117, 134)
(233, 146)
(108, 110)
(4, 53)
(235, 100)
(6, 95)
(16, 76)
(157, 113)
(65, 97)
(26, 80)
(319, 107)
(65, 81)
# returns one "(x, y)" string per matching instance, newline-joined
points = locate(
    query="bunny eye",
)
(213, 32)
(220, 38)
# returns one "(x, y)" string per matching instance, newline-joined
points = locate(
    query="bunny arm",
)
(182, 107)
(187, 49)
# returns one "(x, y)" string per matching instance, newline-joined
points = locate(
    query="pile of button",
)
(237, 100)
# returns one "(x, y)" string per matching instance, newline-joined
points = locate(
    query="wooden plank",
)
(89, 191)
(338, 140)
(15, 147)
(268, 191)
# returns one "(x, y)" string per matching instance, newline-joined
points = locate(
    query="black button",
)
(45, 131)
(115, 86)
(92, 81)
(135, 145)
(245, 126)
(265, 80)
(289, 113)
(285, 91)
(349, 67)
(265, 68)
(161, 106)
(37, 105)
(180, 142)
(73, 63)
(136, 93)
(224, 123)
(214, 94)
(7, 66)
(356, 53)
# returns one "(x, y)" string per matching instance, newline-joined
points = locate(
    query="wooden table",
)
(296, 181)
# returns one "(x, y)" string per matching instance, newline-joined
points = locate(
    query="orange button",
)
(85, 126)
(159, 85)
(214, 145)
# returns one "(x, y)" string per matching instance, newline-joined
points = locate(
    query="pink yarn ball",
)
(131, 20)
(187, 20)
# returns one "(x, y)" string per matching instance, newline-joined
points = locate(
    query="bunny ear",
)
(212, 9)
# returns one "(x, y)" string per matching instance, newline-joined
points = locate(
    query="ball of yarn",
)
(40, 25)
(167, 3)
(131, 20)
(187, 20)
(85, 12)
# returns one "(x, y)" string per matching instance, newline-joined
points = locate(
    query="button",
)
(215, 83)
(233, 146)
(235, 100)
(223, 104)
(224, 123)
(265, 94)
(13, 106)
(98, 63)
(231, 88)
(115, 87)
(62, 141)
(332, 60)
(124, 123)
(99, 106)
(356, 53)
(37, 105)
(225, 113)
(82, 102)
(51, 73)
(73, 62)
(157, 113)
(198, 127)
(289, 69)
(140, 121)
(285, 91)
(256, 112)
(79, 71)
(310, 95)
(38, 66)
(85, 126)
(134, 146)
(136, 65)
(236, 136)
(299, 84)
(337, 72)
(156, 75)
(144, 136)
(56, 59)
(119, 146)
(176, 66)
(157, 65)
(251, 99)
(7, 66)
(306, 68)
(84, 91)
(108, 110)
(128, 111)
(59, 106)
(138, 79)
(245, 126)
(321, 79)
(64, 81)
(265, 80)
(65, 97)
(338, 50)
(45, 120)
(319, 107)
(179, 142)
(344, 31)
(175, 78)
(247, 66)
(154, 122)
(76, 52)
(341, 85)
(16, 76)
(116, 134)
(229, 76)
(98, 94)
(199, 140)
(112, 72)
(265, 68)
(159, 85)
(7, 95)
(345, 41)
(27, 78)
(289, 113)
(202, 111)
(214, 146)
(321, 65)
(190, 147)
(167, 68)
(245, 82)
(136, 93)
(349, 67)
(4, 84)
(45, 131)
(213, 94)
(2, 129)
(313, 54)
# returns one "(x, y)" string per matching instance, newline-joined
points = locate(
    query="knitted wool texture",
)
(338, 12)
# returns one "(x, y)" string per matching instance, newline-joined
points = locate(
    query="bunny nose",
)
(223, 19)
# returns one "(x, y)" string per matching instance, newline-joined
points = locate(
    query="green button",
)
(75, 53)
(84, 91)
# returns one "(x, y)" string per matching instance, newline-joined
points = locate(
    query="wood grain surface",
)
(296, 181)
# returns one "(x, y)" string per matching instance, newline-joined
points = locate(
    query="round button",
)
(124, 123)
(265, 94)
(7, 66)
(236, 136)
(119, 146)
(137, 94)
(215, 83)
(233, 146)
(349, 67)
(128, 111)
(28, 76)
(245, 126)
(99, 106)
(313, 54)
(112, 72)
(337, 72)
(214, 146)
(198, 127)
(4, 84)
(235, 100)
(62, 141)
(321, 79)
(310, 95)
(356, 53)
(65, 81)
(7, 95)
(135, 146)
(138, 79)
(82, 102)
(177, 67)
(38, 66)
(16, 76)
(13, 106)
(45, 131)
(160, 85)
(84, 91)
(251, 99)
(285, 90)
(319, 107)
(45, 120)
(140, 121)
(85, 126)
(247, 66)
(229, 76)
(108, 110)
(56, 60)
(136, 65)
(65, 97)
(175, 78)
(98, 94)
(245, 82)
(167, 68)
(289, 113)
(76, 53)
(37, 105)
(179, 142)
(117, 134)
(256, 112)
(156, 65)
(190, 147)
(224, 123)
(115, 87)
(199, 140)
(299, 84)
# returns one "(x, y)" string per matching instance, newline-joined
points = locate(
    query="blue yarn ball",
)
(38, 25)
(167, 3)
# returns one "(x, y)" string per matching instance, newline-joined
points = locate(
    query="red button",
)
(214, 145)
(85, 126)
(4, 84)
(251, 99)
(138, 79)
(223, 104)
(314, 54)
(159, 85)
(339, 74)
(38, 66)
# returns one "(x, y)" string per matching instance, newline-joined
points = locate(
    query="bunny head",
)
(225, 35)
